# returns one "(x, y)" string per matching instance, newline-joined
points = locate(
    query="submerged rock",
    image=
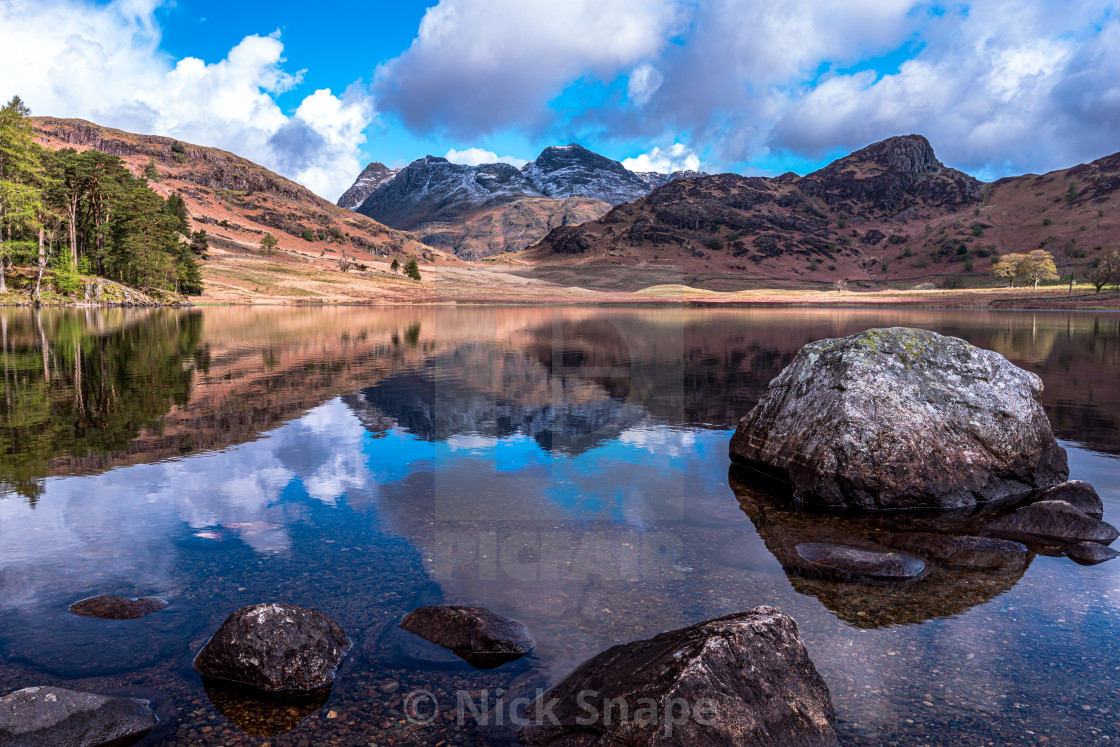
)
(55, 717)
(861, 562)
(1052, 521)
(1079, 494)
(743, 679)
(475, 634)
(275, 647)
(1090, 553)
(111, 607)
(974, 553)
(902, 418)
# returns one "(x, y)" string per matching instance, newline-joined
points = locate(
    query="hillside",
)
(889, 213)
(441, 201)
(237, 202)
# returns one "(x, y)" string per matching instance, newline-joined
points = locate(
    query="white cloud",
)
(477, 65)
(677, 157)
(995, 92)
(476, 156)
(643, 82)
(106, 66)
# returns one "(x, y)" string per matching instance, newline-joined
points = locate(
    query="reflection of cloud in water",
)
(116, 531)
(660, 440)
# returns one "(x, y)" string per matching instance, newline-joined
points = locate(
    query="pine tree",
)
(412, 269)
(20, 199)
(268, 243)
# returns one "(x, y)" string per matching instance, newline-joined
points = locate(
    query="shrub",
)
(308, 234)
(813, 265)
(1046, 221)
(715, 244)
(394, 265)
(968, 264)
(733, 236)
(977, 230)
(907, 252)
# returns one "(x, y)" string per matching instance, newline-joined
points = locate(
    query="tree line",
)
(70, 213)
(1038, 265)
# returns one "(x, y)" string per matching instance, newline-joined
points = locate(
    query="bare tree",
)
(840, 286)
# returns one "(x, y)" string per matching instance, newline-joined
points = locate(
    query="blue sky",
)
(754, 87)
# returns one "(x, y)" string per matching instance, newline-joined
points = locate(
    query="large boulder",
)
(902, 418)
(55, 717)
(1052, 522)
(743, 679)
(475, 634)
(275, 647)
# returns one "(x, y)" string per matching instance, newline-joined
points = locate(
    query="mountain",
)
(888, 212)
(372, 177)
(440, 200)
(574, 171)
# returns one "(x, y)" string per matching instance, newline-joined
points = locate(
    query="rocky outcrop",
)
(893, 175)
(117, 608)
(1053, 522)
(372, 177)
(55, 717)
(474, 634)
(275, 647)
(743, 679)
(902, 418)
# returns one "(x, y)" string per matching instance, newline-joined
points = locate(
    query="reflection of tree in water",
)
(78, 384)
(955, 579)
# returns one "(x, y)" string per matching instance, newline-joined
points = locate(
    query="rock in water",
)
(54, 717)
(861, 562)
(742, 679)
(902, 418)
(1078, 494)
(475, 634)
(1090, 553)
(275, 647)
(111, 607)
(1052, 521)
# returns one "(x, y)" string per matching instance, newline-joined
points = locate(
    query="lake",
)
(566, 467)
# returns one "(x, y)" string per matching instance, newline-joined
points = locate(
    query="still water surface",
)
(564, 467)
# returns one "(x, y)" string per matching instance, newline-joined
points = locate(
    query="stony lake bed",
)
(565, 467)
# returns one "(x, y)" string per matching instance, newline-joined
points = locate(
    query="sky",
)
(315, 93)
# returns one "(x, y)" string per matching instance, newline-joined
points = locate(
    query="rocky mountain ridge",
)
(888, 212)
(437, 198)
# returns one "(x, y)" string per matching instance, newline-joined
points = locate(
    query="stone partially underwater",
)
(902, 418)
(743, 679)
(275, 648)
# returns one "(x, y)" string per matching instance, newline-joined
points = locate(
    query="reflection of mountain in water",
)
(954, 580)
(480, 390)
